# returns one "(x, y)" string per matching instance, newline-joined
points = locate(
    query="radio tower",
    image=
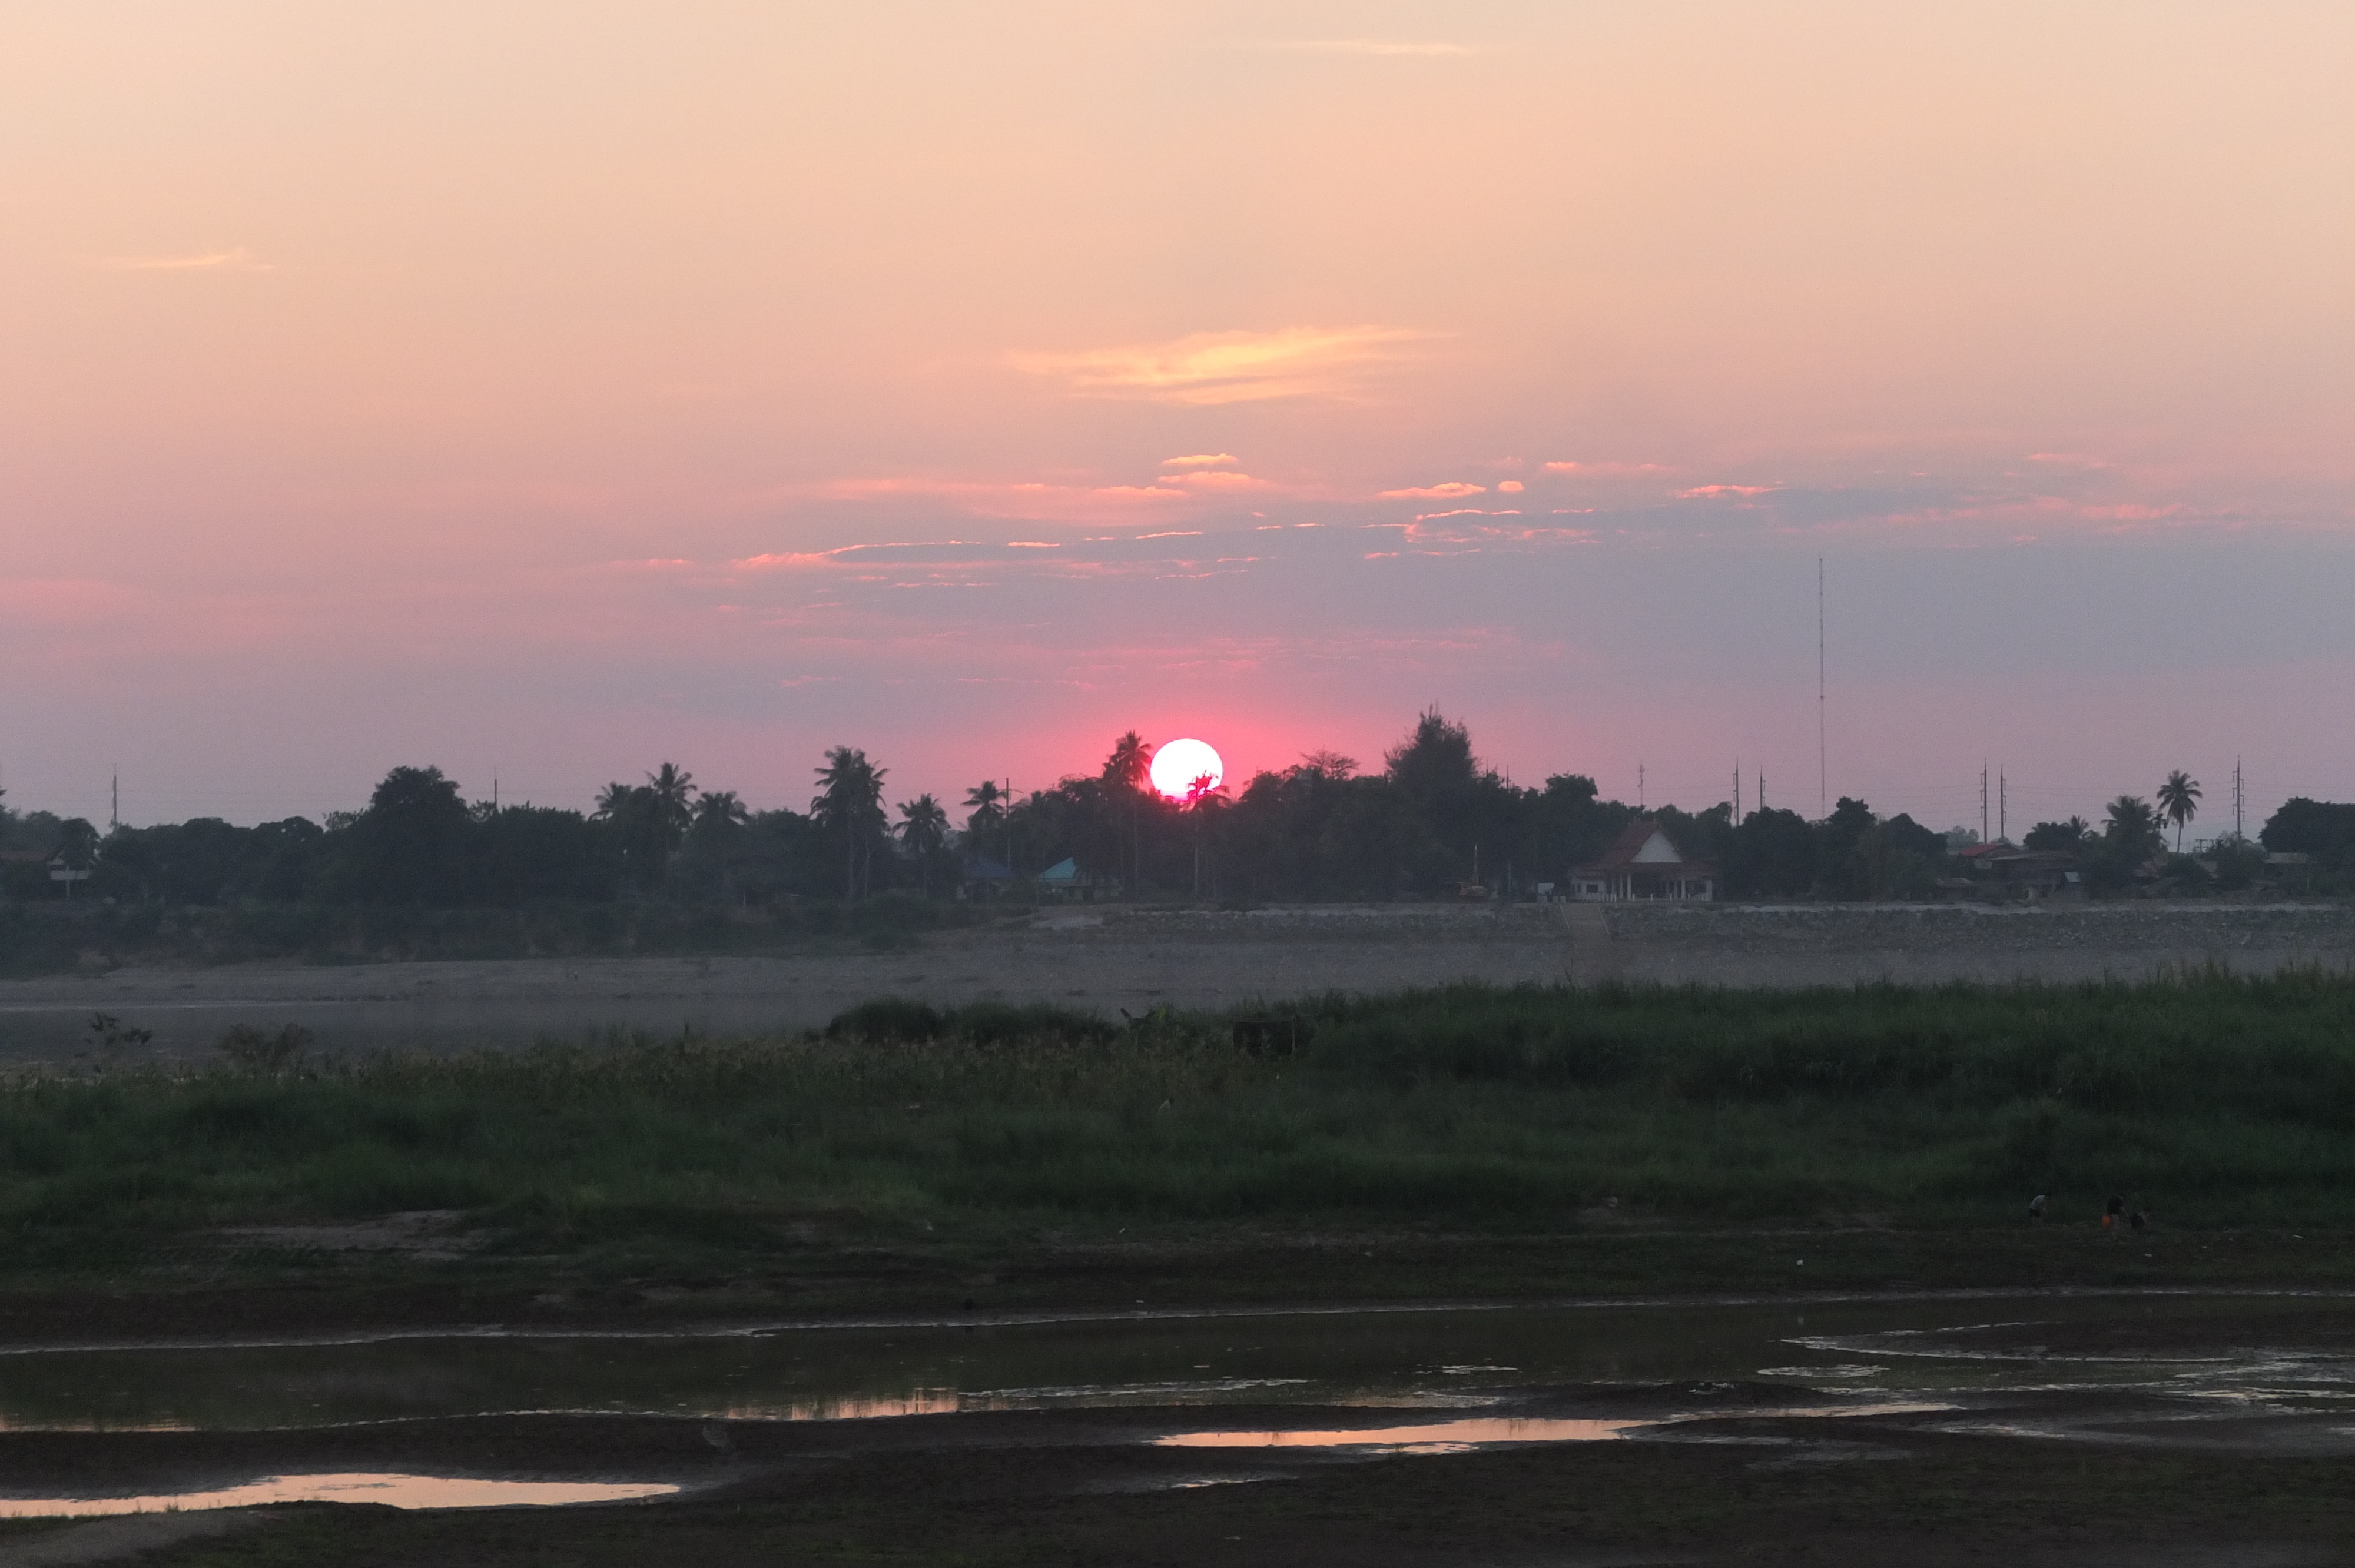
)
(2236, 797)
(1823, 772)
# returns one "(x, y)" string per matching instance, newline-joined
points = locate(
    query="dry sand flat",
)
(1097, 960)
(1109, 958)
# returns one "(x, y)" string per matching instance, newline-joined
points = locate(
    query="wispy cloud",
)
(1213, 367)
(1391, 49)
(1201, 459)
(1720, 492)
(1590, 469)
(1454, 490)
(238, 261)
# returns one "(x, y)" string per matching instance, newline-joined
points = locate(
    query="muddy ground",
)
(1089, 1487)
(1111, 959)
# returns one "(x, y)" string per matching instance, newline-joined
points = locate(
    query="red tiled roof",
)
(1621, 855)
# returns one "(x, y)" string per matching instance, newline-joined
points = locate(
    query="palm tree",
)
(1130, 765)
(718, 812)
(673, 801)
(987, 802)
(923, 833)
(2133, 827)
(2179, 801)
(1129, 771)
(850, 802)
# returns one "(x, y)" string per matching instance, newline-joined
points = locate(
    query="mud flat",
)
(2038, 1430)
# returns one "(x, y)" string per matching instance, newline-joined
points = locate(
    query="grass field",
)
(2213, 1102)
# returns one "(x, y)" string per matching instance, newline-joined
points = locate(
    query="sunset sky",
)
(550, 390)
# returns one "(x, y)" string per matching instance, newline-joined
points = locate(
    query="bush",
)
(251, 1049)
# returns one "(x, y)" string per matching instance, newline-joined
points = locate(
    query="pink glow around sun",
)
(1186, 769)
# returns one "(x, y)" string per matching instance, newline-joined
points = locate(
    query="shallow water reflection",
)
(1443, 1359)
(1429, 1438)
(388, 1489)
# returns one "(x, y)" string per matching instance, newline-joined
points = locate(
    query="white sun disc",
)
(1180, 768)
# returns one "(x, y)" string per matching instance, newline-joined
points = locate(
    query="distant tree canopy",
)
(2316, 828)
(1434, 818)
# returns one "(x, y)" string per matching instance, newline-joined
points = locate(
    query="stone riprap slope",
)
(1848, 944)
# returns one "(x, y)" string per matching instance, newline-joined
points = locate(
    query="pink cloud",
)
(1718, 491)
(1216, 480)
(1591, 469)
(1511, 486)
(1200, 459)
(1454, 488)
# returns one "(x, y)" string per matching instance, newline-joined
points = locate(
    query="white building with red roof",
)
(1644, 862)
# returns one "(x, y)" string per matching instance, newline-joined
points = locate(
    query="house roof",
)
(1645, 845)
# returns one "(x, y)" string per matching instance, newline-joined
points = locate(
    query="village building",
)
(1644, 862)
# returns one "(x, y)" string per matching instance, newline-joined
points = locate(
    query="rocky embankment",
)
(1736, 944)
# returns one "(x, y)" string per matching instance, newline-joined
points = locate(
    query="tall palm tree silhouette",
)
(1129, 772)
(986, 802)
(923, 833)
(2179, 801)
(673, 787)
(850, 802)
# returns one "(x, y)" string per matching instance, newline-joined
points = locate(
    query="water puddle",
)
(1448, 1377)
(391, 1490)
(1430, 1438)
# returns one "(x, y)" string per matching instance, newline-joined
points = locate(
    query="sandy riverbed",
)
(1109, 961)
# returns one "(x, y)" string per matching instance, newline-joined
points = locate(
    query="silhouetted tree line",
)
(1432, 821)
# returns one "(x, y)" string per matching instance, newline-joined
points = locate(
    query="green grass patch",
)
(2213, 1101)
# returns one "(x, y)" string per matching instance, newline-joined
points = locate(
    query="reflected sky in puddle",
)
(1482, 1432)
(1429, 1438)
(1433, 1362)
(391, 1490)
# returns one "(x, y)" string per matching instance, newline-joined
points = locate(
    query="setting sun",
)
(1186, 769)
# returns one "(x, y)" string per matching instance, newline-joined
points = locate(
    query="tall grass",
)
(2211, 1100)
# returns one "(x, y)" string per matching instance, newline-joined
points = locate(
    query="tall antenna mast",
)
(2236, 797)
(1983, 803)
(1823, 770)
(2002, 807)
(114, 801)
(1639, 786)
(1737, 791)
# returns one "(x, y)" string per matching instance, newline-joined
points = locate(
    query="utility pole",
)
(1823, 769)
(2236, 797)
(1737, 791)
(1639, 786)
(1761, 789)
(114, 801)
(1983, 803)
(2002, 808)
